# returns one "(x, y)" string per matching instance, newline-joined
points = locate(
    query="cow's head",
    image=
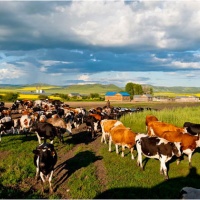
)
(176, 148)
(45, 152)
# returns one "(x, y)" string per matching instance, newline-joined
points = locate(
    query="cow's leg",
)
(42, 181)
(163, 168)
(110, 143)
(123, 149)
(50, 179)
(132, 156)
(189, 152)
(117, 149)
(39, 138)
(37, 169)
(190, 159)
(139, 151)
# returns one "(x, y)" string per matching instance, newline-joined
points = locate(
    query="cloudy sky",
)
(96, 41)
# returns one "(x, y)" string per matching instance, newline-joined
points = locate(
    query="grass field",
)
(80, 177)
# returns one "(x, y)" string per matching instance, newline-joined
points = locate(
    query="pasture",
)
(86, 170)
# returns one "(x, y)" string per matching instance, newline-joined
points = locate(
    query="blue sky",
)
(108, 42)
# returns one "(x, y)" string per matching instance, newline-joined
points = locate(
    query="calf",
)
(45, 158)
(125, 137)
(106, 126)
(45, 130)
(155, 147)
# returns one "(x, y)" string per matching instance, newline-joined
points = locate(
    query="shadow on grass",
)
(166, 190)
(16, 193)
(79, 138)
(68, 167)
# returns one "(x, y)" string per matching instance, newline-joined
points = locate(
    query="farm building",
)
(77, 95)
(117, 96)
(143, 98)
(187, 99)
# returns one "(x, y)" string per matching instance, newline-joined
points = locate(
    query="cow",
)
(106, 126)
(122, 136)
(9, 126)
(45, 130)
(156, 128)
(192, 128)
(189, 193)
(45, 158)
(188, 142)
(59, 122)
(25, 123)
(91, 124)
(159, 148)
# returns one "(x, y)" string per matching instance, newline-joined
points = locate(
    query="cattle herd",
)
(52, 118)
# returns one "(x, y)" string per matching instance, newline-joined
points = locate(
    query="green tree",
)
(130, 88)
(64, 96)
(94, 95)
(133, 89)
(11, 96)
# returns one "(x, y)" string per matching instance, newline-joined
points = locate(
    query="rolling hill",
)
(90, 88)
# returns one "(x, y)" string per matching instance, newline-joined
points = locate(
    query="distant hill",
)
(176, 89)
(92, 88)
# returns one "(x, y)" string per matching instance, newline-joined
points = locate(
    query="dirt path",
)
(63, 171)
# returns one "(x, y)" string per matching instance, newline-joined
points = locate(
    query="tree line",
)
(137, 89)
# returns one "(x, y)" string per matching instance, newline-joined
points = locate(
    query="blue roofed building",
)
(117, 96)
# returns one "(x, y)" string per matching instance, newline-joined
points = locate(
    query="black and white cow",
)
(45, 158)
(192, 128)
(45, 130)
(91, 124)
(158, 148)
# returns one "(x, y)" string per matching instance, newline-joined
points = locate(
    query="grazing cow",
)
(45, 130)
(156, 128)
(45, 158)
(123, 136)
(106, 126)
(188, 142)
(189, 193)
(192, 128)
(159, 148)
(150, 118)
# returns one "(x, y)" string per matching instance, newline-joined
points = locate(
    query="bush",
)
(10, 97)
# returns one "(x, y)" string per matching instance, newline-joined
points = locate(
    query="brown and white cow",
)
(124, 137)
(106, 126)
(157, 128)
(188, 142)
(159, 148)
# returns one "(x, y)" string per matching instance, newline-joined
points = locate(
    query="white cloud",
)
(84, 77)
(9, 71)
